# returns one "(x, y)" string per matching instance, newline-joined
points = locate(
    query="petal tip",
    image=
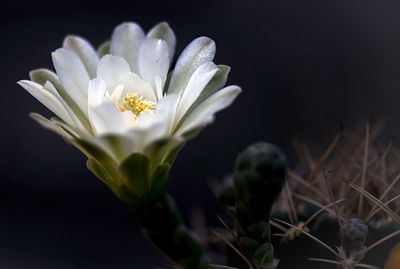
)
(206, 40)
(70, 39)
(127, 25)
(162, 24)
(21, 82)
(58, 53)
(24, 83)
(238, 89)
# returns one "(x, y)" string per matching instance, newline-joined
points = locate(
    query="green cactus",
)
(260, 174)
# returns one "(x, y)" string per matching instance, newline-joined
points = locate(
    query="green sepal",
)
(159, 179)
(135, 171)
(170, 157)
(126, 194)
(161, 148)
(93, 151)
(118, 146)
(155, 150)
(98, 171)
(139, 175)
(192, 132)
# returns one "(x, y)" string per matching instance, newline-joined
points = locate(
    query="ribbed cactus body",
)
(260, 173)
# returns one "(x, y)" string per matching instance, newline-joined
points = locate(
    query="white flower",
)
(122, 99)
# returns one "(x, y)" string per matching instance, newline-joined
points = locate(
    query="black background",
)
(304, 66)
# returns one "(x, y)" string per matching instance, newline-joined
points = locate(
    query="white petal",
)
(165, 114)
(103, 114)
(198, 81)
(204, 114)
(44, 76)
(159, 87)
(125, 42)
(76, 123)
(130, 119)
(153, 60)
(199, 51)
(69, 128)
(85, 51)
(134, 84)
(47, 98)
(106, 119)
(216, 83)
(143, 137)
(110, 70)
(164, 32)
(73, 76)
(96, 92)
(117, 94)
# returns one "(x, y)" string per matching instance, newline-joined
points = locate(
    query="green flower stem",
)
(141, 185)
(162, 225)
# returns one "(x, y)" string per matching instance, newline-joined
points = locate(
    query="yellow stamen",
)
(135, 103)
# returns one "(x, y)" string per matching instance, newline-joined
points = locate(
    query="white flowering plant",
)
(123, 100)
(130, 112)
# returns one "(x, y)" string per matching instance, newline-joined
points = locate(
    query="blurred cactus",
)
(355, 235)
(259, 176)
(356, 181)
(356, 155)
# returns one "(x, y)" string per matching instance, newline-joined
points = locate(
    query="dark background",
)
(304, 66)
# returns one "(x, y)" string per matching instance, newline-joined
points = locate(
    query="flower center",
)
(136, 104)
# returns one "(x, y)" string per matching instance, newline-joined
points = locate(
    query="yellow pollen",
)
(135, 103)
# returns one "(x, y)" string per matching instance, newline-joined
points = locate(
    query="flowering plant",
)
(129, 114)
(123, 100)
